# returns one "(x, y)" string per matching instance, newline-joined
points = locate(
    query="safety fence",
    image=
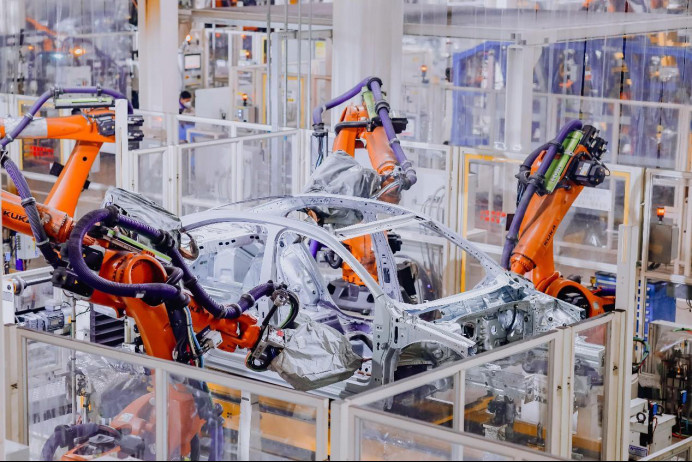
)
(639, 133)
(541, 381)
(62, 382)
(444, 414)
(204, 163)
(682, 450)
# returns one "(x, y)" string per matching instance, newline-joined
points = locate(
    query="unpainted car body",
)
(397, 337)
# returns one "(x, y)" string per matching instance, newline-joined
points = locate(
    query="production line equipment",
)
(94, 259)
(549, 181)
(373, 324)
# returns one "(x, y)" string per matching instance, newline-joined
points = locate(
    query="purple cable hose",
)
(510, 241)
(218, 310)
(56, 440)
(32, 213)
(383, 112)
(341, 99)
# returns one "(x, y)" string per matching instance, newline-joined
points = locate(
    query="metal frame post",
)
(626, 299)
(123, 160)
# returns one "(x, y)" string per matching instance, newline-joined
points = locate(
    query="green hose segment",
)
(369, 101)
(554, 174)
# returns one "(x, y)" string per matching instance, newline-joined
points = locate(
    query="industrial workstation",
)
(346, 230)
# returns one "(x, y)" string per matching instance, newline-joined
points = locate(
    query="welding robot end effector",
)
(381, 106)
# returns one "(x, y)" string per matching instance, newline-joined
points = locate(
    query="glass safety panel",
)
(150, 170)
(87, 392)
(508, 399)
(209, 176)
(384, 442)
(432, 402)
(37, 155)
(270, 160)
(589, 393)
(235, 425)
(669, 223)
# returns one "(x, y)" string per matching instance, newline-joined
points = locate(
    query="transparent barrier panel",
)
(588, 430)
(197, 132)
(5, 104)
(208, 176)
(192, 130)
(590, 230)
(269, 160)
(669, 216)
(507, 400)
(236, 171)
(247, 131)
(384, 442)
(67, 387)
(431, 403)
(37, 155)
(649, 136)
(539, 121)
(429, 195)
(154, 129)
(490, 188)
(244, 426)
(150, 170)
(477, 117)
(423, 104)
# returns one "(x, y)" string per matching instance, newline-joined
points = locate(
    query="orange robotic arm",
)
(91, 129)
(354, 131)
(173, 313)
(533, 254)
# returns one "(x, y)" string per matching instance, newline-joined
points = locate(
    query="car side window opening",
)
(319, 281)
(230, 260)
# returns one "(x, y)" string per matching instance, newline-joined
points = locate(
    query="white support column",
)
(367, 41)
(249, 433)
(275, 83)
(123, 163)
(626, 299)
(159, 82)
(519, 99)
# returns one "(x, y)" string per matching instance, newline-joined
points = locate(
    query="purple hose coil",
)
(341, 99)
(161, 291)
(513, 233)
(156, 290)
